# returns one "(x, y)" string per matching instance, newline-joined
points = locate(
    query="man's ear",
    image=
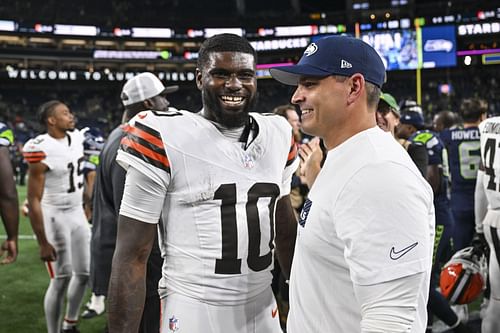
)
(51, 120)
(148, 104)
(198, 76)
(356, 87)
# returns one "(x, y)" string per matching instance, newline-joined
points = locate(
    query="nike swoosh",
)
(274, 312)
(395, 255)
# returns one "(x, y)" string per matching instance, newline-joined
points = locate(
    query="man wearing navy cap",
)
(364, 247)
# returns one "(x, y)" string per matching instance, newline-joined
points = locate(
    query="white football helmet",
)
(463, 278)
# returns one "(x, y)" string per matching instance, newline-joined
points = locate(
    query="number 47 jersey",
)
(218, 200)
(489, 131)
(64, 179)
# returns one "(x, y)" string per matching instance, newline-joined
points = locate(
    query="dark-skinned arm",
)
(286, 231)
(36, 183)
(434, 174)
(127, 285)
(9, 209)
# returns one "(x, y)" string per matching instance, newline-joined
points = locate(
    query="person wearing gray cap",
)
(363, 252)
(142, 92)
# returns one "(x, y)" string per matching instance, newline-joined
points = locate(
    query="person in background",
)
(363, 255)
(215, 185)
(463, 147)
(488, 217)
(92, 147)
(444, 120)
(142, 92)
(9, 209)
(55, 199)
(388, 119)
(298, 193)
(412, 129)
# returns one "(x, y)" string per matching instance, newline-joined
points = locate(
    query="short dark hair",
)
(448, 118)
(282, 110)
(372, 95)
(46, 109)
(471, 109)
(223, 43)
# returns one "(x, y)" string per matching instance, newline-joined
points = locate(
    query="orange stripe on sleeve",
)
(144, 135)
(162, 159)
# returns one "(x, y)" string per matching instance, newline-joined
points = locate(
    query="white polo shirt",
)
(369, 220)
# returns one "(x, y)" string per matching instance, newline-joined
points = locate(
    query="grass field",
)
(23, 285)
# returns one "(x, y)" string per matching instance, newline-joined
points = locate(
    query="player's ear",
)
(198, 78)
(148, 104)
(51, 120)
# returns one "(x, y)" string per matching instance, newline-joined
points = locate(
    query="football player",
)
(92, 147)
(488, 195)
(211, 183)
(412, 129)
(9, 209)
(462, 145)
(55, 192)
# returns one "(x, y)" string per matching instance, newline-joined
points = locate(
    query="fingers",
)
(8, 260)
(10, 248)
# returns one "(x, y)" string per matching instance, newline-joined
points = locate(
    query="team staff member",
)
(366, 231)
(142, 92)
(9, 210)
(55, 198)
(216, 178)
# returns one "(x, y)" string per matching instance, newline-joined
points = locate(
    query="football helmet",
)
(463, 278)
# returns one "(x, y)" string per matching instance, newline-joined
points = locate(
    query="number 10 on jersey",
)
(230, 263)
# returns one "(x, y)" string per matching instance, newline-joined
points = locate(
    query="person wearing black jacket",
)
(142, 92)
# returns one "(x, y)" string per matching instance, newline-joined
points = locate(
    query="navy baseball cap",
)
(412, 118)
(334, 55)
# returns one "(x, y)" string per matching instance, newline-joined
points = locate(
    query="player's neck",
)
(472, 124)
(56, 133)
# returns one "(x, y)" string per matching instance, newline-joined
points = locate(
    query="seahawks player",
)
(55, 191)
(463, 147)
(211, 183)
(9, 210)
(411, 128)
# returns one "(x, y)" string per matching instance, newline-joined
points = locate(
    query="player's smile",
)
(233, 101)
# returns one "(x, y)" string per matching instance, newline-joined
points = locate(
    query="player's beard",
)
(227, 118)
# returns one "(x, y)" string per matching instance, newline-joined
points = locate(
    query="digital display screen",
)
(397, 48)
(439, 46)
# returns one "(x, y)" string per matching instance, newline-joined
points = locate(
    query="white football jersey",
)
(489, 130)
(64, 158)
(217, 222)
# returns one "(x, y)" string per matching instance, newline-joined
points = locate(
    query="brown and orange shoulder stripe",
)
(34, 156)
(145, 143)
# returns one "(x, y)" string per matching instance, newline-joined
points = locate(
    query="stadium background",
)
(82, 52)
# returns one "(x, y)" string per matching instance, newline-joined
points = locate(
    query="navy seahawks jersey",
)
(463, 147)
(437, 156)
(6, 136)
(436, 151)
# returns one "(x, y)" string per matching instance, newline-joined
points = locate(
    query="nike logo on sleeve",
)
(395, 255)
